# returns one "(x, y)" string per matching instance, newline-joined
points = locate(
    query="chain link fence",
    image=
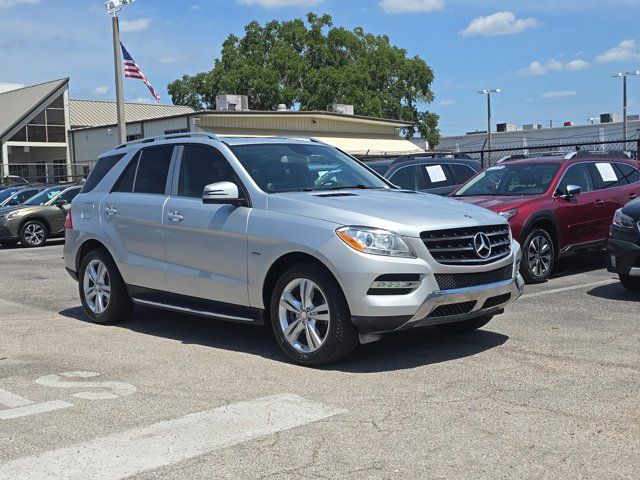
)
(495, 155)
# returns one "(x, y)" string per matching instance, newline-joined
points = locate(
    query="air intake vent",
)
(343, 194)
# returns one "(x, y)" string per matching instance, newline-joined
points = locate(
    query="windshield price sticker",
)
(436, 173)
(607, 172)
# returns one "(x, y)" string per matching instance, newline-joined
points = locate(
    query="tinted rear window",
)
(101, 168)
(153, 169)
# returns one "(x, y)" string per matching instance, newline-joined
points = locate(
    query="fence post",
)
(482, 158)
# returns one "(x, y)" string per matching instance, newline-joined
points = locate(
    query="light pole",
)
(113, 7)
(488, 93)
(624, 76)
(592, 120)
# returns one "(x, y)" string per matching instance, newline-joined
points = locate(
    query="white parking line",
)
(128, 453)
(566, 289)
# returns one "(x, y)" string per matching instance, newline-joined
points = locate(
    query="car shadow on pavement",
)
(581, 263)
(18, 246)
(614, 291)
(396, 351)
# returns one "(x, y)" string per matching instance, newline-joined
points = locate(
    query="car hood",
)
(13, 208)
(498, 204)
(403, 212)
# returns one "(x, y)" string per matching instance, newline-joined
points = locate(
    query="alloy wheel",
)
(539, 256)
(304, 315)
(34, 234)
(97, 286)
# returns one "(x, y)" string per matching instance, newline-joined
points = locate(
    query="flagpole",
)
(117, 58)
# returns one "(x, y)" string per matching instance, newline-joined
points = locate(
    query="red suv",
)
(556, 205)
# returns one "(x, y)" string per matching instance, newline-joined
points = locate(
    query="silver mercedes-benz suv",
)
(283, 232)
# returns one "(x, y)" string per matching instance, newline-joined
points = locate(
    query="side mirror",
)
(222, 193)
(60, 203)
(573, 190)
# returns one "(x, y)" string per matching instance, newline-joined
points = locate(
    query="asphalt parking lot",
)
(550, 389)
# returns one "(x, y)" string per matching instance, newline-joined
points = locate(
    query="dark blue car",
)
(439, 175)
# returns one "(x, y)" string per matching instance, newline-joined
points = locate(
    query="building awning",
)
(373, 147)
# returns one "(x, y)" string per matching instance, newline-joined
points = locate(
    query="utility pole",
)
(624, 76)
(488, 93)
(113, 7)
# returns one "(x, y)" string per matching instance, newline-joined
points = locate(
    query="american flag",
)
(132, 70)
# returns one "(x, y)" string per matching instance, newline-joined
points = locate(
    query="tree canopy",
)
(311, 65)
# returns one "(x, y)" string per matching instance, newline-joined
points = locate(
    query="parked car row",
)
(32, 214)
(557, 205)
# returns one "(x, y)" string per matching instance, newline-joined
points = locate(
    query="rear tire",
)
(466, 325)
(33, 234)
(538, 256)
(310, 317)
(629, 282)
(103, 293)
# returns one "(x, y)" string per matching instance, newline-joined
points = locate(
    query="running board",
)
(192, 311)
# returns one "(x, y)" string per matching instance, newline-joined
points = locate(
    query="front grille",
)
(457, 245)
(453, 309)
(497, 300)
(451, 281)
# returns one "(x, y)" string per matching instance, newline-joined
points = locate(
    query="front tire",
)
(33, 234)
(102, 290)
(310, 317)
(466, 325)
(539, 255)
(629, 282)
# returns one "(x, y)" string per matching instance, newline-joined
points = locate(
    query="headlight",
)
(375, 242)
(509, 214)
(622, 220)
(8, 216)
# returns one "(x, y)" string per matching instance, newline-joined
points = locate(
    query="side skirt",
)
(195, 306)
(587, 247)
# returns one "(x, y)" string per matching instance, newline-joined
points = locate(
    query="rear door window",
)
(405, 178)
(153, 170)
(101, 168)
(461, 173)
(438, 175)
(127, 178)
(606, 175)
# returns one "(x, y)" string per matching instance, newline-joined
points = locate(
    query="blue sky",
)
(552, 59)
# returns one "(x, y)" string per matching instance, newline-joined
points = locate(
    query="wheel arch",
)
(37, 218)
(279, 266)
(87, 246)
(548, 222)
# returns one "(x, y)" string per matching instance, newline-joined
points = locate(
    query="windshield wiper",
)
(351, 187)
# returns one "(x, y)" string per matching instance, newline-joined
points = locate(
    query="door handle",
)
(598, 203)
(175, 216)
(110, 210)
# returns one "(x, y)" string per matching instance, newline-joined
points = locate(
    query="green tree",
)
(311, 65)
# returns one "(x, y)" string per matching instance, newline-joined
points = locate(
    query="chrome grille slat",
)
(456, 246)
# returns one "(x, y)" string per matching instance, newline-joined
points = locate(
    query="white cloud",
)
(559, 93)
(196, 7)
(135, 25)
(444, 103)
(553, 65)
(403, 6)
(143, 100)
(15, 3)
(500, 23)
(169, 58)
(280, 3)
(100, 90)
(624, 51)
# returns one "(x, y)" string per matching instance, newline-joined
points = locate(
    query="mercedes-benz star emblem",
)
(482, 245)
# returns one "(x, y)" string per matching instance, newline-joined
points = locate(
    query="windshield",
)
(44, 196)
(290, 167)
(4, 194)
(511, 180)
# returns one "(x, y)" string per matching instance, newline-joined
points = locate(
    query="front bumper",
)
(6, 234)
(447, 306)
(623, 257)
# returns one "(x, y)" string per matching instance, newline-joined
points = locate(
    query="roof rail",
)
(169, 136)
(613, 154)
